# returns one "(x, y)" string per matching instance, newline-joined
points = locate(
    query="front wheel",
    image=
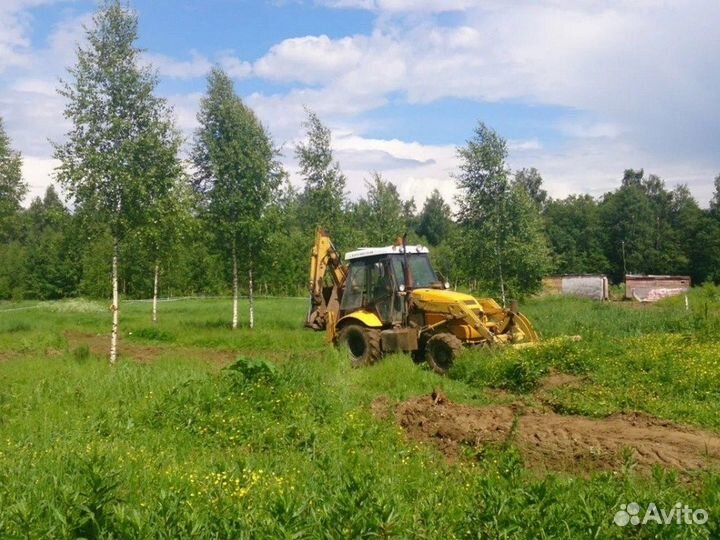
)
(441, 351)
(361, 343)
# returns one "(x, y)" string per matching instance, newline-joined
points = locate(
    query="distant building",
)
(653, 288)
(595, 287)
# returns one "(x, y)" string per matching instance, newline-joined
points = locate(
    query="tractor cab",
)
(378, 280)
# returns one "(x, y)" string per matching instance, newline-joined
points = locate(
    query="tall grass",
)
(282, 443)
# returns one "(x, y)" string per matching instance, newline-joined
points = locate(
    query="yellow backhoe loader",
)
(390, 299)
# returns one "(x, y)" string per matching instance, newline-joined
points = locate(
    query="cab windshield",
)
(422, 272)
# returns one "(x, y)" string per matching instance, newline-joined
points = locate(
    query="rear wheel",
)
(441, 351)
(361, 343)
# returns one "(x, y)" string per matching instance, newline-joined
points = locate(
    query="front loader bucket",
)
(525, 326)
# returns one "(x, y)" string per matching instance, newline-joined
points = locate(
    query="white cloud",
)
(38, 173)
(234, 67)
(15, 24)
(310, 59)
(532, 144)
(186, 107)
(579, 167)
(401, 6)
(197, 66)
(638, 79)
(590, 130)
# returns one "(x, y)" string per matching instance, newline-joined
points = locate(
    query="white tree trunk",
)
(155, 293)
(500, 271)
(251, 297)
(235, 289)
(115, 304)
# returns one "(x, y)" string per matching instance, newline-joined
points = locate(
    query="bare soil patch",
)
(382, 408)
(557, 379)
(552, 442)
(99, 345)
(7, 355)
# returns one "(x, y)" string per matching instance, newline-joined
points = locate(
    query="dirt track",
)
(549, 441)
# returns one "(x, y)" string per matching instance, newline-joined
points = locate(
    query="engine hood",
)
(442, 296)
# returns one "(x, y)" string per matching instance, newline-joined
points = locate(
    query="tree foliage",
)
(237, 174)
(118, 153)
(120, 156)
(531, 181)
(323, 198)
(715, 201)
(504, 245)
(381, 214)
(435, 219)
(12, 187)
(130, 197)
(576, 235)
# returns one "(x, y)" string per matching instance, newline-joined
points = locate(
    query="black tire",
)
(441, 351)
(418, 356)
(361, 343)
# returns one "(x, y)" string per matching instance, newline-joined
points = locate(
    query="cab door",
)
(384, 294)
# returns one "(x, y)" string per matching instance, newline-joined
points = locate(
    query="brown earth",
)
(382, 408)
(557, 379)
(99, 346)
(7, 355)
(550, 441)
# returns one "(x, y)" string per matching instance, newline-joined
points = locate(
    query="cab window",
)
(422, 272)
(355, 287)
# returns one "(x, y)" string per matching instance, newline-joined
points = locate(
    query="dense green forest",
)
(227, 215)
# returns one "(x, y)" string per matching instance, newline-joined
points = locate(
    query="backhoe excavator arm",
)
(325, 295)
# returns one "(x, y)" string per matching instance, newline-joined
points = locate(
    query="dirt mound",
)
(549, 441)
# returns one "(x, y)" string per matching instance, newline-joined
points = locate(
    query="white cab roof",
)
(388, 250)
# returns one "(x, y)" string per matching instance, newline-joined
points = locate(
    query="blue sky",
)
(581, 90)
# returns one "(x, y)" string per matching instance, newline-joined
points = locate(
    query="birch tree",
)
(380, 214)
(237, 174)
(503, 234)
(169, 226)
(115, 158)
(322, 201)
(12, 187)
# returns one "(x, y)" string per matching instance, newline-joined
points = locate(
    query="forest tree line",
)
(227, 218)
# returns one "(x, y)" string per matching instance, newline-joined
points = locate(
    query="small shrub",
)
(521, 375)
(152, 334)
(255, 369)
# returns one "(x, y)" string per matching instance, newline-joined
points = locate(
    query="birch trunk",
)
(235, 288)
(115, 308)
(251, 297)
(155, 293)
(500, 271)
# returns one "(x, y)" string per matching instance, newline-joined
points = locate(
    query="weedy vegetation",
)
(204, 432)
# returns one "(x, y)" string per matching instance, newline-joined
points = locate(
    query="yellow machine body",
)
(397, 310)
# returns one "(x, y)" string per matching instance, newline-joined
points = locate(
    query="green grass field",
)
(173, 443)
